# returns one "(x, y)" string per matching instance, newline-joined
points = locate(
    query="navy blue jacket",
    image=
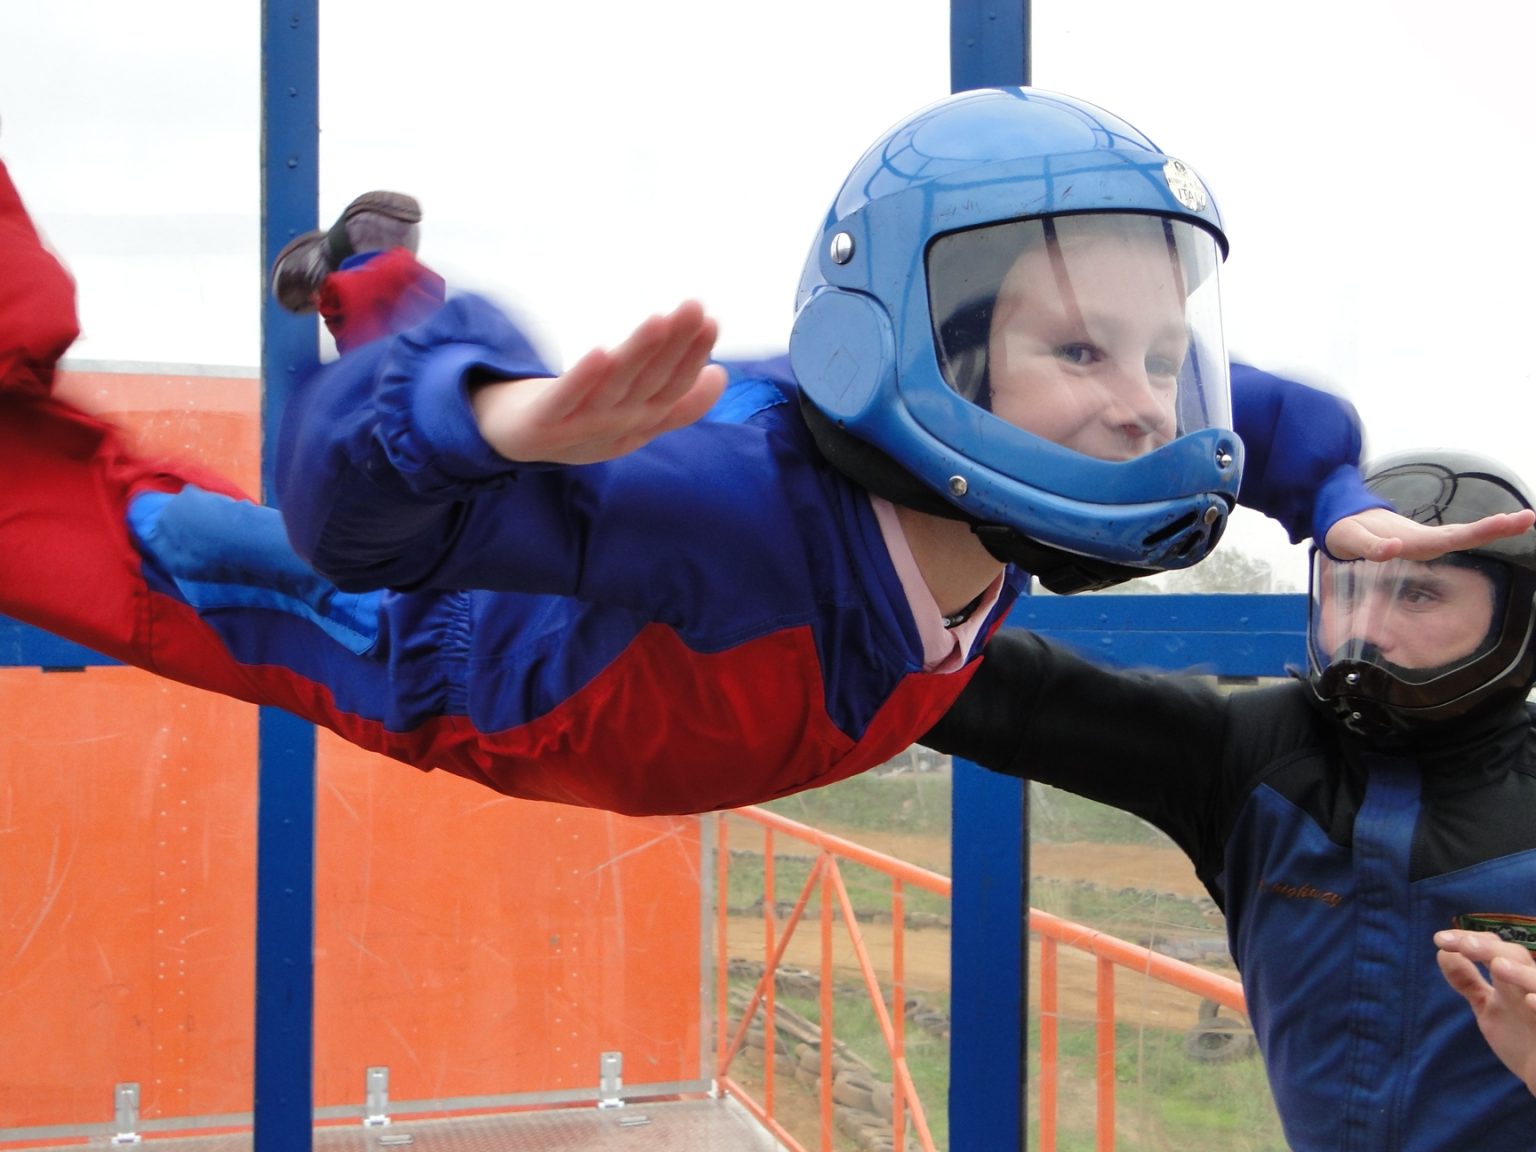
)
(1334, 862)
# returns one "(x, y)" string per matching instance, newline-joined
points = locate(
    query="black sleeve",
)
(1153, 745)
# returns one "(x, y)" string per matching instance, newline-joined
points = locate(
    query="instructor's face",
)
(1418, 615)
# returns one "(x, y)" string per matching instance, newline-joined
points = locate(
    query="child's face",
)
(1088, 336)
(1417, 615)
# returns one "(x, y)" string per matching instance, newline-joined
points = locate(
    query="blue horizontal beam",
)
(22, 646)
(1225, 635)
(1249, 635)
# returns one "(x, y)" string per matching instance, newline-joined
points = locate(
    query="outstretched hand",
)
(1505, 1002)
(1381, 534)
(610, 402)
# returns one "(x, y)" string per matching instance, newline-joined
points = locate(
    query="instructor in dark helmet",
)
(1339, 821)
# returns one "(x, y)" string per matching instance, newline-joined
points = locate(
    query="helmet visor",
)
(1416, 623)
(1099, 332)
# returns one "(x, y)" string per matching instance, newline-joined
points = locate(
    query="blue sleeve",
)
(1302, 453)
(385, 482)
(374, 446)
(772, 368)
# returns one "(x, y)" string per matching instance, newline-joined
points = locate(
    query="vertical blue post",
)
(989, 958)
(988, 43)
(285, 842)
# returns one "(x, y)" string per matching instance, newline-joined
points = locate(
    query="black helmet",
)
(1397, 644)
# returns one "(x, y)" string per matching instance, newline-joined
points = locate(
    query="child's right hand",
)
(610, 402)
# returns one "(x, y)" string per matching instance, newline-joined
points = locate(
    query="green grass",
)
(867, 889)
(1129, 915)
(1060, 817)
(909, 802)
(921, 803)
(1163, 1099)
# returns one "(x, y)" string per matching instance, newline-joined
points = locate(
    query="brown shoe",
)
(375, 221)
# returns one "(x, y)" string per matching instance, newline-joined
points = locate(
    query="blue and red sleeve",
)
(1303, 453)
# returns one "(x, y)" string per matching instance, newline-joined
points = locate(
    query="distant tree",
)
(1226, 569)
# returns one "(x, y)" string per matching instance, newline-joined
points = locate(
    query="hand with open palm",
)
(610, 402)
(1381, 534)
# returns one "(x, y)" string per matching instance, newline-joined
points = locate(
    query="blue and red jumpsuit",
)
(714, 620)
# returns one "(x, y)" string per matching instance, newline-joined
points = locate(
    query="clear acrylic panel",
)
(587, 166)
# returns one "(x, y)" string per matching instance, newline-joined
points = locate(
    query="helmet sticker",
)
(1185, 185)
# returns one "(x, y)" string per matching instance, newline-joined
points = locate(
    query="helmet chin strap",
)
(1060, 571)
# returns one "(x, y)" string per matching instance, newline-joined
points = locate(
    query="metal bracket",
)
(376, 1102)
(125, 1100)
(610, 1080)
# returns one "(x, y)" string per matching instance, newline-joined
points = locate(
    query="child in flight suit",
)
(650, 585)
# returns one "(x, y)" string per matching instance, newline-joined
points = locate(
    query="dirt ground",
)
(1156, 868)
(1159, 869)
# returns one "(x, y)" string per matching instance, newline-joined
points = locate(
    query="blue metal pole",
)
(285, 842)
(989, 972)
(988, 43)
(989, 957)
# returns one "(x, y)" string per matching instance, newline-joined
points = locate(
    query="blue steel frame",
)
(283, 1101)
(989, 45)
(1227, 635)
(1238, 636)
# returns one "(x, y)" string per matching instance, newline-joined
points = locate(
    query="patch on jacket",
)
(1506, 926)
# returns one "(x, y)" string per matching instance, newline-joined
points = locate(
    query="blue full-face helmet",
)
(1011, 316)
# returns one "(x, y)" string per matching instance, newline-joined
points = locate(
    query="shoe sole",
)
(395, 205)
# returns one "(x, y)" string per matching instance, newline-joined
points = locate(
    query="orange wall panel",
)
(127, 818)
(214, 422)
(475, 945)
(479, 945)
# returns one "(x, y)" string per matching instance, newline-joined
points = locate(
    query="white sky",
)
(590, 163)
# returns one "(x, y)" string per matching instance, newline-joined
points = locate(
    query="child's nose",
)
(1140, 404)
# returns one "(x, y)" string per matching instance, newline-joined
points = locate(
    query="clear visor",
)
(1100, 332)
(1416, 621)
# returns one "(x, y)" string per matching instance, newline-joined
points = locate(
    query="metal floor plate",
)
(676, 1125)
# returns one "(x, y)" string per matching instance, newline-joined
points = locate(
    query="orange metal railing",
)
(1109, 952)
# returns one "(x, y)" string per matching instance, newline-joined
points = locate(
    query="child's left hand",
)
(610, 402)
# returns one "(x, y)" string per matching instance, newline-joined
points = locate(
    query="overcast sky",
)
(590, 163)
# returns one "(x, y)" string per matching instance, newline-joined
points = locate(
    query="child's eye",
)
(1162, 368)
(1078, 355)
